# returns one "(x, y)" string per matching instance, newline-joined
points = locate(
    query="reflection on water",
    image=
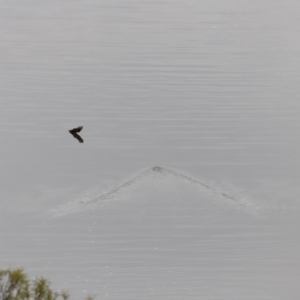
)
(207, 88)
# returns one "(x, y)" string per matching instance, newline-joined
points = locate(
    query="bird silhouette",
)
(75, 134)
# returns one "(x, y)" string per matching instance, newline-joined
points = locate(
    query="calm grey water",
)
(207, 89)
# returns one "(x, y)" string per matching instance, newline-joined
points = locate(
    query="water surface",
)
(206, 90)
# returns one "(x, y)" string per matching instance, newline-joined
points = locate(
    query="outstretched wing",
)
(77, 129)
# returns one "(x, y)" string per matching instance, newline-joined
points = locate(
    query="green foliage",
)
(15, 285)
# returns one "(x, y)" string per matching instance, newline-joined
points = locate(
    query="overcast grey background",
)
(206, 89)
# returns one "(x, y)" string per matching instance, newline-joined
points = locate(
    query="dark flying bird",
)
(75, 134)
